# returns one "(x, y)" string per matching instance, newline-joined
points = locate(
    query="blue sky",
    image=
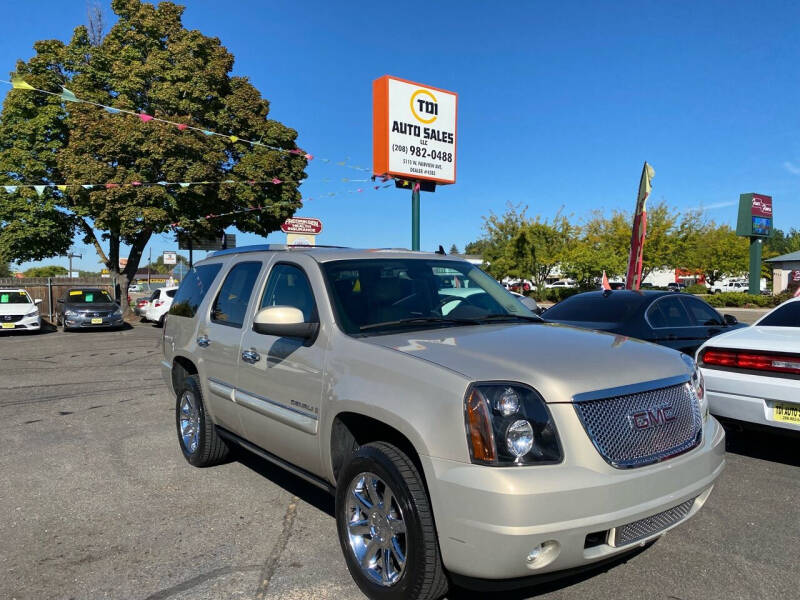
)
(559, 103)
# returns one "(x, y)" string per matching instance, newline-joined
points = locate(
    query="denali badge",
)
(647, 419)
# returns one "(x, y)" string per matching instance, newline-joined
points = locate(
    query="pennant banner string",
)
(69, 96)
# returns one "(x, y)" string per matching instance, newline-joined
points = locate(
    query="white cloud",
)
(792, 168)
(706, 207)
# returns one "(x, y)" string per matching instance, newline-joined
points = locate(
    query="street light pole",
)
(71, 256)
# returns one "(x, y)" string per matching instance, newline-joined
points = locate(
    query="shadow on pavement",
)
(309, 493)
(772, 444)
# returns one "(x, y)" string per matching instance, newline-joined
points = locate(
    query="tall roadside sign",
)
(755, 222)
(301, 231)
(413, 138)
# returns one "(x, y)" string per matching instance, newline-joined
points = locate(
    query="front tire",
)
(386, 527)
(200, 444)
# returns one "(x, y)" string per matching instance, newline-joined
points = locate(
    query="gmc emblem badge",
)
(648, 419)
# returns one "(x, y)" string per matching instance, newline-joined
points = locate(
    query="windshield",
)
(787, 315)
(14, 298)
(370, 296)
(89, 297)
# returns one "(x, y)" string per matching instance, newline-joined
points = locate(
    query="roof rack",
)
(268, 248)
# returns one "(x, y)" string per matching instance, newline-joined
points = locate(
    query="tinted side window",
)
(787, 315)
(193, 289)
(230, 305)
(703, 314)
(171, 293)
(289, 286)
(668, 312)
(610, 308)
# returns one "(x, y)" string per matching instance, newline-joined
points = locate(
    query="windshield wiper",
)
(419, 321)
(501, 316)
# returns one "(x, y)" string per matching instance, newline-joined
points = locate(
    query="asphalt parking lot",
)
(97, 501)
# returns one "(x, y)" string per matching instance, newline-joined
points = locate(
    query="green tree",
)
(5, 269)
(516, 245)
(148, 63)
(46, 271)
(158, 266)
(715, 250)
(454, 249)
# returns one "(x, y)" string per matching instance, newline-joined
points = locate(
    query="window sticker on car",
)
(75, 293)
(23, 294)
(4, 299)
(89, 297)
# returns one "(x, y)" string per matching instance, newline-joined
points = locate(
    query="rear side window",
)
(668, 312)
(193, 289)
(171, 293)
(230, 305)
(787, 315)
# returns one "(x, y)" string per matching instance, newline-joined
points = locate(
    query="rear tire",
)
(198, 439)
(380, 535)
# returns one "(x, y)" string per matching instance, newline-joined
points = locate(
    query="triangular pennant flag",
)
(276, 181)
(87, 186)
(39, 189)
(68, 96)
(162, 183)
(184, 184)
(182, 126)
(207, 132)
(309, 157)
(229, 181)
(111, 110)
(111, 185)
(233, 138)
(10, 188)
(145, 118)
(62, 188)
(19, 84)
(135, 183)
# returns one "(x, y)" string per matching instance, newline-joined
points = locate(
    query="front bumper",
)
(489, 519)
(750, 398)
(24, 324)
(82, 322)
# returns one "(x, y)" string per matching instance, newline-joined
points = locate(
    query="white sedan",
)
(753, 374)
(160, 303)
(18, 311)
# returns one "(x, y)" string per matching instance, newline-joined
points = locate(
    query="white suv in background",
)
(18, 311)
(159, 305)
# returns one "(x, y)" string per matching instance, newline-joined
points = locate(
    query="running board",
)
(276, 460)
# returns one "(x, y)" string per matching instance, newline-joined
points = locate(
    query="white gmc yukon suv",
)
(464, 439)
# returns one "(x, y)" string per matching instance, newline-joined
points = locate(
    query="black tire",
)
(211, 449)
(424, 576)
(161, 320)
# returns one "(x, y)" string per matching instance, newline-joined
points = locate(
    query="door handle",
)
(250, 356)
(203, 341)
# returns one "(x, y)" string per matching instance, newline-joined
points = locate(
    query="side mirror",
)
(37, 301)
(730, 320)
(283, 321)
(60, 301)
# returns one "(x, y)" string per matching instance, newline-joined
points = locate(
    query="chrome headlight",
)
(71, 313)
(509, 425)
(33, 313)
(698, 385)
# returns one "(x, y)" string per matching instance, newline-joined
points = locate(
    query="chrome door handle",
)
(203, 341)
(250, 356)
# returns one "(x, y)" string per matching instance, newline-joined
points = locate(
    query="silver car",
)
(464, 438)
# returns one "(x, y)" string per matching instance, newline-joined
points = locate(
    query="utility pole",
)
(149, 262)
(71, 256)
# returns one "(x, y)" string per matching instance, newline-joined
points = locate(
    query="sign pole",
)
(415, 217)
(755, 265)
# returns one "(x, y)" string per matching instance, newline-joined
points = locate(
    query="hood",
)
(91, 307)
(557, 360)
(17, 309)
(768, 339)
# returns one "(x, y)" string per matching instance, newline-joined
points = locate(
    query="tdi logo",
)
(648, 419)
(424, 106)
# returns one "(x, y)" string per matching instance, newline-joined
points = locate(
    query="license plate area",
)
(786, 413)
(8, 326)
(97, 321)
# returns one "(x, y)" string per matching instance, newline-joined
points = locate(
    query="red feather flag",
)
(633, 278)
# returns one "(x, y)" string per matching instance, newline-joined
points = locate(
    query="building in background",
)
(785, 271)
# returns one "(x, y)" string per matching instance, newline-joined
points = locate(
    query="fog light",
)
(543, 554)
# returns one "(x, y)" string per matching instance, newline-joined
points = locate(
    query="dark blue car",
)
(677, 320)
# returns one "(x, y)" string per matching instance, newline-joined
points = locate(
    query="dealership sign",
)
(170, 258)
(761, 206)
(303, 225)
(755, 216)
(414, 130)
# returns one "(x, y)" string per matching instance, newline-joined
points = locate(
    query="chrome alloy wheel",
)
(376, 530)
(189, 421)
